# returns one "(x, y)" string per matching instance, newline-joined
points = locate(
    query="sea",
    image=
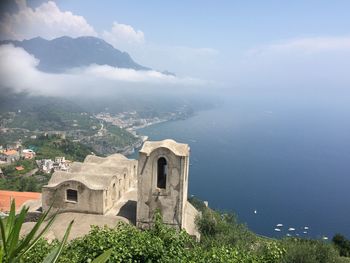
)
(272, 161)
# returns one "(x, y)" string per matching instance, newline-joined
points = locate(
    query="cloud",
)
(176, 58)
(181, 60)
(122, 34)
(307, 45)
(18, 71)
(135, 76)
(47, 21)
(310, 64)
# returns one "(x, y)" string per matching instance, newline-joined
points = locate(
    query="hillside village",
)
(116, 187)
(12, 155)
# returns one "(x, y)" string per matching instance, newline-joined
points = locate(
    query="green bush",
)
(39, 251)
(342, 244)
(128, 244)
(223, 228)
(223, 240)
(308, 251)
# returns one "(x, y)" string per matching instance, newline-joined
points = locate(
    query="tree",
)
(342, 244)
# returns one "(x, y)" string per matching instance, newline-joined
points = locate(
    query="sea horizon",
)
(248, 158)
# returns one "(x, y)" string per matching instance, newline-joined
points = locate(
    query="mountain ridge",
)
(60, 54)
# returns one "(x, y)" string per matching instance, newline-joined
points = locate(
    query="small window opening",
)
(72, 195)
(162, 173)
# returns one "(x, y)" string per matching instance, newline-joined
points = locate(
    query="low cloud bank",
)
(18, 71)
(312, 64)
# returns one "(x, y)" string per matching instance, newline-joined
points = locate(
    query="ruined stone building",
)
(131, 189)
(90, 187)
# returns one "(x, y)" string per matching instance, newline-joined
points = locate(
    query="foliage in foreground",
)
(32, 247)
(224, 240)
(158, 244)
(13, 248)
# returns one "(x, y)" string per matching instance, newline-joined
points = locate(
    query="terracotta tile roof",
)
(19, 197)
(19, 168)
(10, 152)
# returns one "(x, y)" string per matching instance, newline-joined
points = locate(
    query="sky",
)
(263, 45)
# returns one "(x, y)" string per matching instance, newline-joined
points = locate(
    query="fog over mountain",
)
(63, 53)
(68, 66)
(90, 72)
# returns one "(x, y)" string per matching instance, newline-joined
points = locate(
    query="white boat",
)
(306, 227)
(325, 238)
(255, 212)
(291, 229)
(305, 232)
(279, 225)
(277, 229)
(288, 235)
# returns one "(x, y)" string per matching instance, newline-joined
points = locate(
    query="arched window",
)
(162, 172)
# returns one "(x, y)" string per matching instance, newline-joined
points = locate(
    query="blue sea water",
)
(286, 158)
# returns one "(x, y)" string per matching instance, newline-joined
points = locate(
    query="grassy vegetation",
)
(18, 181)
(22, 184)
(113, 140)
(46, 147)
(49, 147)
(120, 137)
(10, 170)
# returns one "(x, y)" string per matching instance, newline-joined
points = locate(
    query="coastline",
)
(130, 150)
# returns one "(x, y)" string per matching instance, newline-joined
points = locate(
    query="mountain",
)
(63, 53)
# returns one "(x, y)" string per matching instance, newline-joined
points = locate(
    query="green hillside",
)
(49, 147)
(46, 147)
(23, 116)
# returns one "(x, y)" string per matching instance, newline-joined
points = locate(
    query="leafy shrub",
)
(342, 244)
(128, 244)
(224, 240)
(39, 251)
(223, 228)
(222, 254)
(270, 251)
(309, 251)
(13, 248)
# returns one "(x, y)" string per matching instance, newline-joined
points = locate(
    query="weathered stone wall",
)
(189, 222)
(169, 201)
(100, 182)
(89, 201)
(119, 186)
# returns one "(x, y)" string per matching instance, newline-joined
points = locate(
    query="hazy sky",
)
(235, 44)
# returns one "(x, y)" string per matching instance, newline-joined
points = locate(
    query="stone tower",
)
(162, 185)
